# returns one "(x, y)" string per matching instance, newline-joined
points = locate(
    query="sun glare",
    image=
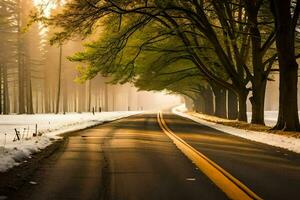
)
(47, 6)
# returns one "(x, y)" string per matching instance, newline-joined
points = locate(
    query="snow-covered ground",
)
(270, 117)
(49, 127)
(282, 141)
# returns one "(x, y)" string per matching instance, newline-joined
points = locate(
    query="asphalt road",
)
(133, 159)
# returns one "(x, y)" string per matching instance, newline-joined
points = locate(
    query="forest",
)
(217, 54)
(34, 73)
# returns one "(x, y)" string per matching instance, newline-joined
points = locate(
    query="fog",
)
(38, 78)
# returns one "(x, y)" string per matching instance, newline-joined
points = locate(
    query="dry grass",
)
(243, 125)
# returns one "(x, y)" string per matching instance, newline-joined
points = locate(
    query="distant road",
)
(136, 159)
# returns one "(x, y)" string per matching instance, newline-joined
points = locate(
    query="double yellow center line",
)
(231, 186)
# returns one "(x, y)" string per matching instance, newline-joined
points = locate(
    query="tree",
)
(232, 105)
(150, 58)
(286, 23)
(59, 80)
(192, 22)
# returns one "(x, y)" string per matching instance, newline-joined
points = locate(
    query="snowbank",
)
(270, 117)
(49, 127)
(282, 141)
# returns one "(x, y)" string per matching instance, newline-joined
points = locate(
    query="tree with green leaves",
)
(143, 59)
(223, 24)
(240, 33)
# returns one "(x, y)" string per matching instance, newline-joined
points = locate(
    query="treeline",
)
(29, 68)
(194, 48)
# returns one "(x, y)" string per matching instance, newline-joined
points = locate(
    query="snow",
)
(49, 129)
(282, 141)
(270, 117)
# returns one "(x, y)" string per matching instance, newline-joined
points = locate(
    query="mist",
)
(38, 78)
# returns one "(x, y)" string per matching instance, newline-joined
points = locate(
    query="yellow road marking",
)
(231, 186)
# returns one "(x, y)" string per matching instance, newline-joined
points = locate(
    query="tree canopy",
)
(230, 44)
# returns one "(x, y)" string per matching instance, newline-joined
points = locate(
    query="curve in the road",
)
(231, 186)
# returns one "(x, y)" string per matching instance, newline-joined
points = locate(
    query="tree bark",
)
(259, 78)
(209, 101)
(220, 101)
(242, 99)
(288, 68)
(232, 105)
(258, 103)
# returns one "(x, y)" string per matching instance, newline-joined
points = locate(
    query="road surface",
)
(134, 159)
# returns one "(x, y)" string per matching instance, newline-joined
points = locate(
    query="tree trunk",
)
(29, 98)
(220, 101)
(209, 101)
(259, 79)
(21, 94)
(53, 99)
(65, 97)
(89, 95)
(81, 99)
(42, 103)
(113, 98)
(258, 101)
(15, 97)
(288, 68)
(28, 91)
(75, 99)
(288, 111)
(21, 63)
(199, 104)
(59, 80)
(106, 96)
(96, 95)
(37, 101)
(46, 95)
(242, 97)
(232, 105)
(6, 103)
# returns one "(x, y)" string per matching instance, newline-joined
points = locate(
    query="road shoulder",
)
(17, 176)
(281, 141)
